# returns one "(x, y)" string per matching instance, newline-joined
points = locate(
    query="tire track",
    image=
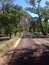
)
(41, 43)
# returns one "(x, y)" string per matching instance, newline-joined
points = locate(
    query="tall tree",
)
(37, 10)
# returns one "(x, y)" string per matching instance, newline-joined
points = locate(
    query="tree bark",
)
(10, 36)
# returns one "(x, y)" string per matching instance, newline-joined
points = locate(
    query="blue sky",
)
(24, 5)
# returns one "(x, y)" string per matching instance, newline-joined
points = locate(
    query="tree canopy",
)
(42, 12)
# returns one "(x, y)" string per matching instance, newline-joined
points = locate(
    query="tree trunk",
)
(7, 35)
(10, 36)
(42, 29)
(30, 29)
(15, 33)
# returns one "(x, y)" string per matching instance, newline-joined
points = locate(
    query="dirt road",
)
(30, 51)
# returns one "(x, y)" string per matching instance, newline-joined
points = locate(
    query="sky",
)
(24, 5)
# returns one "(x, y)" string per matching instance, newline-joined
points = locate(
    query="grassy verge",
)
(7, 43)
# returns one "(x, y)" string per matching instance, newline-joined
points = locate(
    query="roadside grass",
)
(7, 43)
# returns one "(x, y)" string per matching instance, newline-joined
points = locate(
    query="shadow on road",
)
(4, 38)
(26, 57)
(35, 35)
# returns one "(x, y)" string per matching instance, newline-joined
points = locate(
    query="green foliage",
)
(42, 12)
(10, 20)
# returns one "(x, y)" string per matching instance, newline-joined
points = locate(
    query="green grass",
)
(7, 43)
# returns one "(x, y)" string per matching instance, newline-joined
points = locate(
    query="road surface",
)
(31, 50)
